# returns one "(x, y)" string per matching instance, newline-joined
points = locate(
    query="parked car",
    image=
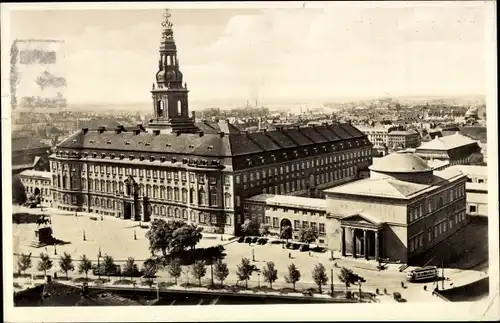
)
(262, 241)
(295, 246)
(288, 245)
(304, 247)
(255, 239)
(248, 239)
(241, 239)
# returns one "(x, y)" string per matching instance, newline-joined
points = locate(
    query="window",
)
(162, 192)
(169, 175)
(148, 173)
(169, 193)
(238, 201)
(176, 194)
(183, 176)
(148, 190)
(176, 176)
(321, 228)
(275, 222)
(429, 235)
(237, 179)
(472, 209)
(202, 197)
(213, 197)
(227, 200)
(184, 195)
(191, 178)
(201, 179)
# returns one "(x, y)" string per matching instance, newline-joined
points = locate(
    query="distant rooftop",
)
(36, 173)
(290, 201)
(447, 142)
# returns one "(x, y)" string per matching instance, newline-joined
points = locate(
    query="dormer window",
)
(130, 157)
(85, 154)
(113, 156)
(174, 160)
(147, 144)
(74, 141)
(184, 160)
(122, 156)
(210, 147)
(92, 141)
(141, 157)
(103, 155)
(168, 145)
(94, 155)
(152, 158)
(108, 142)
(162, 159)
(127, 143)
(191, 146)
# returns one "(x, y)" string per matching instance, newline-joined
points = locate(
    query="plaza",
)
(115, 237)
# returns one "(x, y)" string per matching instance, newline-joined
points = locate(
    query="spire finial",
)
(167, 24)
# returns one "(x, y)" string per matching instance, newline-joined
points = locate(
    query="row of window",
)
(446, 225)
(416, 242)
(318, 227)
(296, 167)
(436, 202)
(203, 218)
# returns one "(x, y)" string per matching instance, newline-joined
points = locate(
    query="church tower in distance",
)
(170, 95)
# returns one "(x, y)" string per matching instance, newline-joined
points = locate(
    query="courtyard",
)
(115, 237)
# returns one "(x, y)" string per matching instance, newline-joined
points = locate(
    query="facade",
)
(278, 211)
(403, 139)
(403, 210)
(29, 153)
(457, 149)
(37, 183)
(476, 189)
(177, 168)
(379, 136)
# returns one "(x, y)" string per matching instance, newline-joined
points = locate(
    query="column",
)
(365, 242)
(376, 246)
(353, 231)
(343, 242)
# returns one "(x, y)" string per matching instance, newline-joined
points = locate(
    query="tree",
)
(84, 266)
(264, 230)
(186, 236)
(345, 276)
(476, 159)
(244, 270)
(286, 233)
(270, 273)
(249, 227)
(18, 191)
(319, 276)
(108, 265)
(175, 269)
(198, 270)
(44, 264)
(221, 271)
(308, 235)
(130, 268)
(293, 275)
(160, 235)
(24, 262)
(66, 263)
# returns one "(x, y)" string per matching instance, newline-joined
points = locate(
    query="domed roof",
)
(401, 163)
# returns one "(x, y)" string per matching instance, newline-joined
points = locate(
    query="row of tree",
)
(306, 235)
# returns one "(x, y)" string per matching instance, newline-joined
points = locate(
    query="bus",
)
(425, 273)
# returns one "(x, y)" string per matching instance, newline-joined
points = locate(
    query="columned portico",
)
(360, 237)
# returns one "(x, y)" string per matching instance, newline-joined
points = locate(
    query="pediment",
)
(360, 220)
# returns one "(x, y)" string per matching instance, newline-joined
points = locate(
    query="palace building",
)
(177, 168)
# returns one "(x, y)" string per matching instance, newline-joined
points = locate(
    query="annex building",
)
(177, 168)
(402, 210)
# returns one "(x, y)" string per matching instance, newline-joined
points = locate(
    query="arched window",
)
(192, 196)
(155, 210)
(162, 211)
(169, 212)
(103, 202)
(108, 186)
(177, 213)
(430, 205)
(141, 189)
(227, 200)
(176, 194)
(96, 202)
(184, 195)
(213, 197)
(155, 191)
(185, 214)
(162, 192)
(169, 193)
(91, 202)
(169, 61)
(179, 107)
(202, 197)
(191, 216)
(440, 202)
(148, 190)
(91, 185)
(84, 184)
(120, 187)
(103, 185)
(97, 186)
(114, 187)
(64, 183)
(108, 203)
(114, 204)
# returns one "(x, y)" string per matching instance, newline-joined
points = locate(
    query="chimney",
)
(156, 132)
(85, 130)
(101, 129)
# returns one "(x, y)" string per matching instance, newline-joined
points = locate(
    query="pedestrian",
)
(377, 291)
(289, 255)
(425, 287)
(402, 284)
(309, 254)
(385, 290)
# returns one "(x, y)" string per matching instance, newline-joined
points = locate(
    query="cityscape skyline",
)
(254, 54)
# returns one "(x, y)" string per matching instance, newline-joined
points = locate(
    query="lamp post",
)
(98, 263)
(55, 249)
(212, 271)
(258, 278)
(84, 238)
(135, 236)
(253, 254)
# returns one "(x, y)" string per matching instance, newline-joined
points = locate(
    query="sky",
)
(269, 54)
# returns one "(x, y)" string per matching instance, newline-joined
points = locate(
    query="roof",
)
(363, 215)
(400, 163)
(27, 143)
(289, 201)
(472, 170)
(476, 187)
(36, 173)
(436, 163)
(447, 142)
(402, 133)
(393, 188)
(218, 139)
